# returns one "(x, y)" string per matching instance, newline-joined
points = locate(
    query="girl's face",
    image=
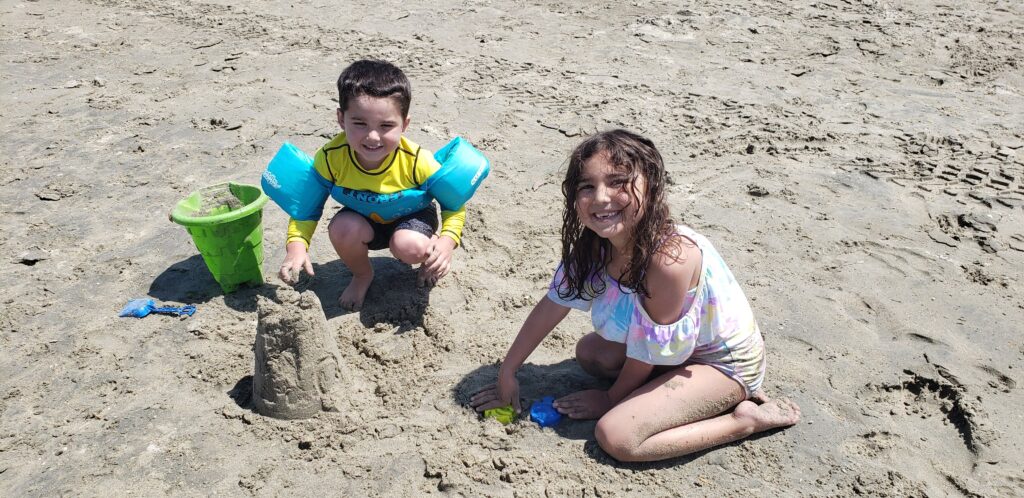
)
(605, 200)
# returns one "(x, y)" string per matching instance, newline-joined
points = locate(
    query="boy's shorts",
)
(424, 221)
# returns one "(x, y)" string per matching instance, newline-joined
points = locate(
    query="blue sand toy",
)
(293, 183)
(139, 308)
(544, 413)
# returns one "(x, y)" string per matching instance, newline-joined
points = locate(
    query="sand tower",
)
(297, 360)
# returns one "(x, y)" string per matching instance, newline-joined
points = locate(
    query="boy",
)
(371, 159)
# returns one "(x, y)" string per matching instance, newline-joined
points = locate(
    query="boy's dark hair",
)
(375, 78)
(584, 253)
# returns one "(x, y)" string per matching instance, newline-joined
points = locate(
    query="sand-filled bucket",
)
(226, 224)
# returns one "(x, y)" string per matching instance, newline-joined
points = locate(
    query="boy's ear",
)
(405, 125)
(341, 119)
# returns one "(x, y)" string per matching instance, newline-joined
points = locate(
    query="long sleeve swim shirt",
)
(405, 168)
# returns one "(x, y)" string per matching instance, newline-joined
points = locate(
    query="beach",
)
(858, 163)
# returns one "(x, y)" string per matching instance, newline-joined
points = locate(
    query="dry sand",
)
(859, 163)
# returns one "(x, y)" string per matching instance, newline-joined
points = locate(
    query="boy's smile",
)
(373, 127)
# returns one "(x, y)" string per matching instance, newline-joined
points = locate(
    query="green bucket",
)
(226, 224)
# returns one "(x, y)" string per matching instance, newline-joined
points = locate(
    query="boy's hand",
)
(296, 260)
(589, 404)
(439, 261)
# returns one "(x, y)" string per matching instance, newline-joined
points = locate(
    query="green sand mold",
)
(506, 414)
(226, 223)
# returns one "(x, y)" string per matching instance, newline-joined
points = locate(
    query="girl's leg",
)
(600, 357)
(350, 233)
(683, 411)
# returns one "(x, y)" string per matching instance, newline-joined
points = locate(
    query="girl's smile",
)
(605, 201)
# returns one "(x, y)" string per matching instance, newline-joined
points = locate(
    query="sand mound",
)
(297, 360)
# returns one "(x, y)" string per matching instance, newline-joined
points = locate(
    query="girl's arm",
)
(671, 274)
(593, 403)
(542, 320)
(633, 375)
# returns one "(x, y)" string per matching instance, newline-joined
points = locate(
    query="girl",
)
(672, 325)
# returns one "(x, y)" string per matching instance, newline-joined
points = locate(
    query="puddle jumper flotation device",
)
(293, 183)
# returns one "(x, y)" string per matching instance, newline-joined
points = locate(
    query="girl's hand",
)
(503, 393)
(589, 404)
(439, 261)
(296, 260)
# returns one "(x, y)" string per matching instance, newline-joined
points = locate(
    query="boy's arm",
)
(438, 262)
(452, 223)
(297, 251)
(301, 231)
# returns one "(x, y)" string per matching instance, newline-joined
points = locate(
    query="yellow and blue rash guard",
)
(405, 168)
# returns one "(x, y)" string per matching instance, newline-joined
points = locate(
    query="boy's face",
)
(374, 127)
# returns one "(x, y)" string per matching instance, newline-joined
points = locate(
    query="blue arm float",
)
(294, 184)
(463, 169)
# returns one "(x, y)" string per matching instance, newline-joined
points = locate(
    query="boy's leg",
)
(413, 236)
(683, 411)
(410, 246)
(600, 357)
(350, 233)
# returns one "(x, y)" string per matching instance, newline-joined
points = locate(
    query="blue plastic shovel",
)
(142, 307)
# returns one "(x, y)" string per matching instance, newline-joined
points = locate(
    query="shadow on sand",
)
(393, 298)
(560, 379)
(189, 282)
(535, 382)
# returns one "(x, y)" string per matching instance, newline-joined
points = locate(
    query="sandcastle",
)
(297, 360)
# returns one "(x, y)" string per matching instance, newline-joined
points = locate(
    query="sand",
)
(859, 164)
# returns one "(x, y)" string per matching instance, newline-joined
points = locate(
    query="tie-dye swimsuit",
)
(717, 326)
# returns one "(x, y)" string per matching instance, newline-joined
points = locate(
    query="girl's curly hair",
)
(584, 253)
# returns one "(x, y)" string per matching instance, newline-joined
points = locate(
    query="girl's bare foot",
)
(771, 413)
(353, 295)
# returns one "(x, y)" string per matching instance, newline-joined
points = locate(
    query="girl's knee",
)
(584, 350)
(615, 439)
(598, 356)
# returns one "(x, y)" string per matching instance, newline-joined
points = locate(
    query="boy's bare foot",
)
(770, 414)
(353, 295)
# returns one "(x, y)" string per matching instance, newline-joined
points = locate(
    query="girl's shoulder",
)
(678, 258)
(674, 270)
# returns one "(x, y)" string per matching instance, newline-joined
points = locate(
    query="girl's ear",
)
(341, 119)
